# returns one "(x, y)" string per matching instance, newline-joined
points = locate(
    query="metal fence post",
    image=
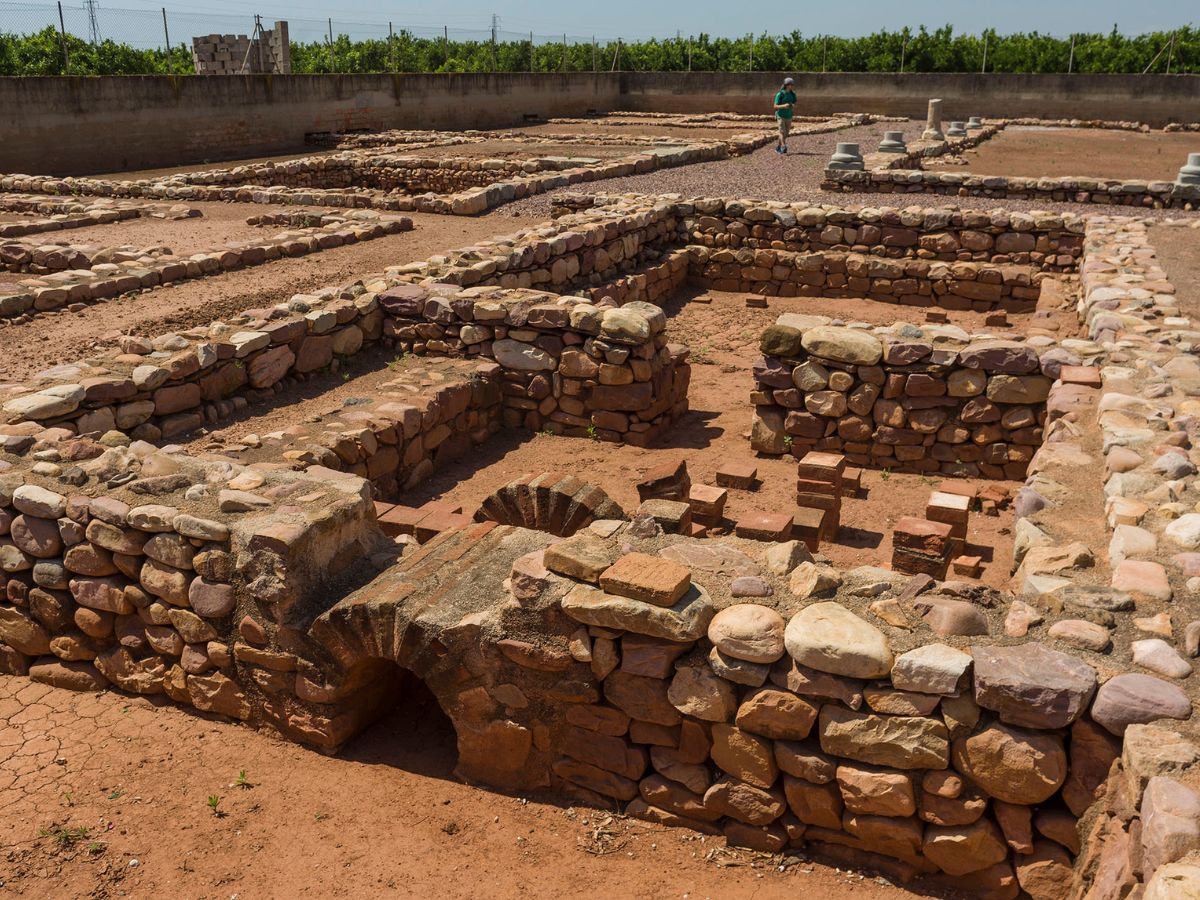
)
(167, 38)
(62, 30)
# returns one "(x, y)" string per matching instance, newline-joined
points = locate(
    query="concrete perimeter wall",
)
(1156, 99)
(83, 126)
(89, 125)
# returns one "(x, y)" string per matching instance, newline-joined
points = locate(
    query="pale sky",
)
(640, 19)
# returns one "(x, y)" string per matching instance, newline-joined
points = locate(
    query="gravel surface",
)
(766, 175)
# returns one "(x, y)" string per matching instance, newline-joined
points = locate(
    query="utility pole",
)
(62, 30)
(985, 49)
(1071, 58)
(824, 52)
(594, 63)
(903, 50)
(689, 54)
(332, 57)
(531, 51)
(445, 44)
(93, 25)
(167, 39)
(1170, 52)
(391, 48)
(495, 26)
(616, 55)
(564, 58)
(751, 52)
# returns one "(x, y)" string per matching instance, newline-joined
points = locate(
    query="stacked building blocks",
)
(921, 547)
(819, 486)
(708, 504)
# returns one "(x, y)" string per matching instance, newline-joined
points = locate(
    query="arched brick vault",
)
(444, 615)
(559, 504)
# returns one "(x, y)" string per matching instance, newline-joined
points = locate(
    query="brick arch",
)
(558, 504)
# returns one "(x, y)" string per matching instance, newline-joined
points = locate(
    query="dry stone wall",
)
(911, 282)
(928, 399)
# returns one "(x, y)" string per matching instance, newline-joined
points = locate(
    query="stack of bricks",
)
(230, 54)
(423, 522)
(921, 547)
(954, 509)
(819, 497)
(665, 492)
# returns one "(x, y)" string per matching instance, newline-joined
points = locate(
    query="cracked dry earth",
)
(91, 783)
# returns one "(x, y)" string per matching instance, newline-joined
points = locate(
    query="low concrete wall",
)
(83, 126)
(1155, 99)
(88, 125)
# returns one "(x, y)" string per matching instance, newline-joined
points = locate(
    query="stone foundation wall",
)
(429, 415)
(83, 275)
(928, 399)
(1046, 241)
(654, 283)
(1101, 191)
(590, 248)
(911, 282)
(567, 365)
(153, 585)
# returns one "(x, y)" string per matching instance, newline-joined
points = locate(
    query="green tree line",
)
(920, 50)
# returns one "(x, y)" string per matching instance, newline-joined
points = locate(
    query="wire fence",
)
(85, 38)
(43, 38)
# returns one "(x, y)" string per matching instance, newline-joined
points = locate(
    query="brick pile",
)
(237, 54)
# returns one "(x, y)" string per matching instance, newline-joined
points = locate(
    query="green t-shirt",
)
(785, 97)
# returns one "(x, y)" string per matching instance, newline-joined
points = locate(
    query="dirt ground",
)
(221, 224)
(106, 795)
(1083, 152)
(1178, 250)
(51, 339)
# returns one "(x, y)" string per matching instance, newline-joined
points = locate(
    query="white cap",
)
(789, 81)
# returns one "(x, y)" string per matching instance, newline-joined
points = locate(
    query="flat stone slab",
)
(687, 620)
(1032, 685)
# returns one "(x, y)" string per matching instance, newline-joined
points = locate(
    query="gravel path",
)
(797, 176)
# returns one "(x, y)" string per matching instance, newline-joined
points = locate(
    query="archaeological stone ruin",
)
(929, 611)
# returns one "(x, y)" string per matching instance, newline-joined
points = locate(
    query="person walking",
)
(785, 99)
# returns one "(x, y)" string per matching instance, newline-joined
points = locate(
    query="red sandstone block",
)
(668, 481)
(819, 501)
(807, 527)
(912, 563)
(818, 466)
(436, 522)
(446, 506)
(697, 530)
(937, 315)
(950, 509)
(761, 526)
(852, 479)
(401, 520)
(1085, 375)
(997, 319)
(707, 502)
(815, 486)
(969, 566)
(921, 536)
(756, 302)
(738, 475)
(382, 508)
